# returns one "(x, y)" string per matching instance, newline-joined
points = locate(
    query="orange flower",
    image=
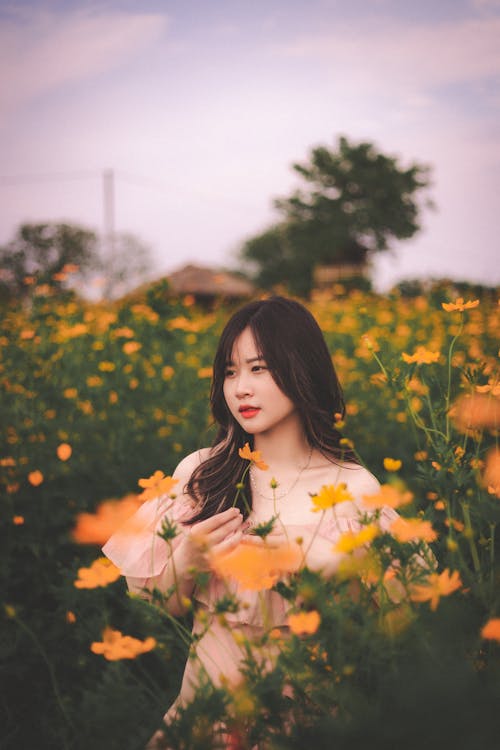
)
(167, 372)
(205, 372)
(35, 477)
(253, 456)
(491, 476)
(130, 347)
(157, 484)
(421, 356)
(438, 585)
(349, 541)
(330, 495)
(412, 530)
(70, 617)
(304, 622)
(476, 411)
(387, 496)
(392, 464)
(64, 451)
(491, 631)
(18, 520)
(257, 567)
(115, 646)
(459, 305)
(101, 573)
(96, 528)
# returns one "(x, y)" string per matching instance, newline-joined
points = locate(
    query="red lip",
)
(248, 411)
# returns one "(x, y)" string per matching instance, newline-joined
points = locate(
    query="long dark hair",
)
(295, 351)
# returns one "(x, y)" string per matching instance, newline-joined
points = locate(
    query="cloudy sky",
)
(201, 106)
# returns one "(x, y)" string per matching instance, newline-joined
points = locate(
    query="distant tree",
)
(123, 264)
(356, 201)
(68, 256)
(43, 254)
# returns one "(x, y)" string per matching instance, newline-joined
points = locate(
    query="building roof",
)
(207, 282)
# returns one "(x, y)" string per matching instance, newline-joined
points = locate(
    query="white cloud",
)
(418, 58)
(42, 51)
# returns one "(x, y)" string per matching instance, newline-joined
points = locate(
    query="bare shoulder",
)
(188, 464)
(359, 482)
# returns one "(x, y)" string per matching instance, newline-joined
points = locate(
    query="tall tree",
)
(355, 202)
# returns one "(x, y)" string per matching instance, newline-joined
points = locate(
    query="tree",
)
(67, 256)
(356, 201)
(43, 254)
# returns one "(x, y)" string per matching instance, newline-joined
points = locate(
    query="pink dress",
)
(141, 554)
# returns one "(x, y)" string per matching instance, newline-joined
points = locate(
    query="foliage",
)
(45, 254)
(125, 386)
(67, 256)
(356, 201)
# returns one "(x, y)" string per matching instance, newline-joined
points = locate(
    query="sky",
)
(200, 107)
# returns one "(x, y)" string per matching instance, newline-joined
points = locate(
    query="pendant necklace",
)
(288, 490)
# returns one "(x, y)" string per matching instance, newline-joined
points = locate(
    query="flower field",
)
(95, 398)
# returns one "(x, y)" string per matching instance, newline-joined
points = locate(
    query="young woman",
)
(275, 388)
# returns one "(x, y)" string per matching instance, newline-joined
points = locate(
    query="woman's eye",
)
(229, 373)
(258, 368)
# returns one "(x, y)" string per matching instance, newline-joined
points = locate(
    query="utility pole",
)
(108, 190)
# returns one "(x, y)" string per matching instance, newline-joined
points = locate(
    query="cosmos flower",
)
(459, 305)
(101, 573)
(115, 646)
(253, 456)
(330, 495)
(438, 585)
(304, 623)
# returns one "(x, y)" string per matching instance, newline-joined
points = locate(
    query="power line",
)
(48, 177)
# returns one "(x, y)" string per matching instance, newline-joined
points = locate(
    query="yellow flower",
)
(491, 631)
(157, 484)
(304, 622)
(205, 372)
(412, 530)
(388, 496)
(392, 464)
(459, 305)
(253, 456)
(349, 541)
(64, 451)
(115, 646)
(101, 573)
(35, 477)
(330, 495)
(438, 585)
(421, 356)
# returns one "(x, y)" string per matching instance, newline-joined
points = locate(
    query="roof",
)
(207, 282)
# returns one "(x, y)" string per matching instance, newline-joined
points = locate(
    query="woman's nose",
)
(243, 387)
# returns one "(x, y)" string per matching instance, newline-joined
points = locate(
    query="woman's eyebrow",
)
(260, 358)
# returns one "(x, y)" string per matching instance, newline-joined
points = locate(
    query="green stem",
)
(52, 675)
(470, 538)
(448, 389)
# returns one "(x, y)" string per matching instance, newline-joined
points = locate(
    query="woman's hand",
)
(220, 533)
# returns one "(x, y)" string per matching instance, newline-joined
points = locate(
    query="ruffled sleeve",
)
(136, 547)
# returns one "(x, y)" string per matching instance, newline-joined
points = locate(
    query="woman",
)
(275, 388)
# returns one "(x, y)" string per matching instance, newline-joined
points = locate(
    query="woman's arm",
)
(191, 549)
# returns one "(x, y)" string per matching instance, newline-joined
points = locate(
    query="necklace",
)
(285, 492)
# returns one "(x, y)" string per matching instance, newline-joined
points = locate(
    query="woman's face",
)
(251, 394)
